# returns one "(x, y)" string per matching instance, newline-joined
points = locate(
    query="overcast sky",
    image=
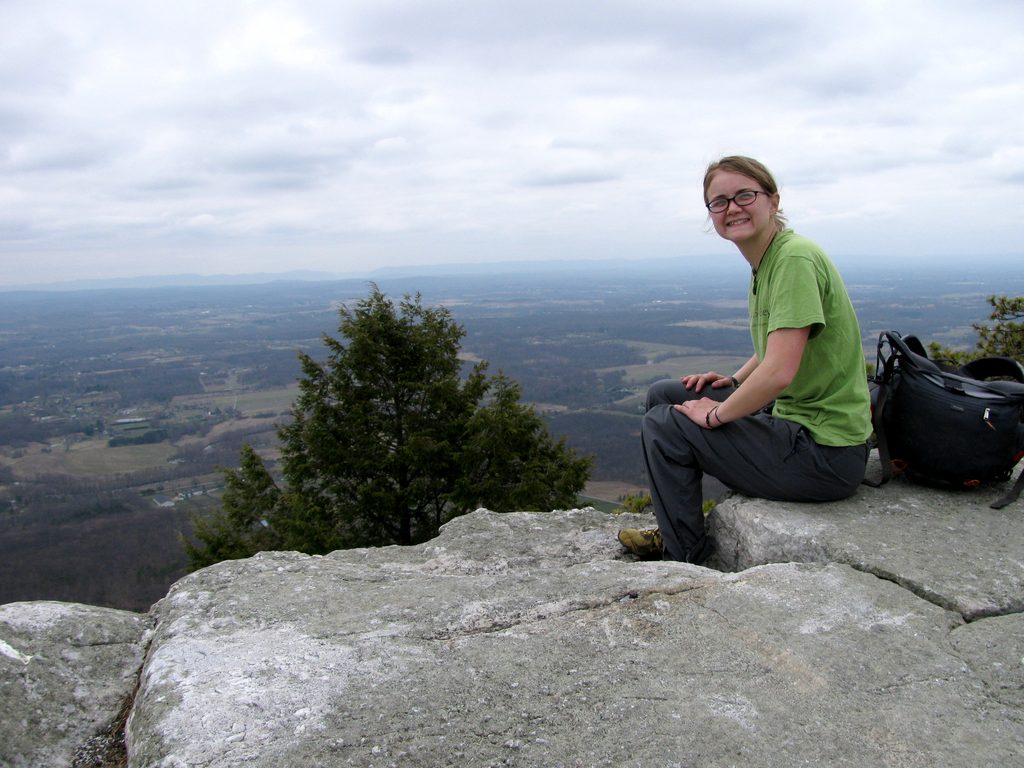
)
(231, 136)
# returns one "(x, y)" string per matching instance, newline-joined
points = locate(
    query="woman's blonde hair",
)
(750, 168)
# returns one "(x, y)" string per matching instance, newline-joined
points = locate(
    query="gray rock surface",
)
(65, 670)
(950, 548)
(884, 630)
(532, 640)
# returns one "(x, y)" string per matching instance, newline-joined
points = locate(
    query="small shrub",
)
(636, 503)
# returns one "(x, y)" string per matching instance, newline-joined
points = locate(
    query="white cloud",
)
(235, 136)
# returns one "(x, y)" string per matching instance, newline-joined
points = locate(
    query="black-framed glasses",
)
(742, 198)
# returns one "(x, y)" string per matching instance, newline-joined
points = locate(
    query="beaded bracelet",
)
(707, 417)
(735, 381)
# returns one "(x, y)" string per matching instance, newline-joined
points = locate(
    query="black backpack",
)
(947, 427)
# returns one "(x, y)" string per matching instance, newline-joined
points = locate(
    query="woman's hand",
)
(701, 412)
(697, 381)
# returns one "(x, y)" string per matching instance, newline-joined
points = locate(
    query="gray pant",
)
(758, 455)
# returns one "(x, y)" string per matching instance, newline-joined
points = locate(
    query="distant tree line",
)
(142, 383)
(20, 429)
(103, 549)
(149, 437)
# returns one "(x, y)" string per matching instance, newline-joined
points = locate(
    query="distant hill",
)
(179, 281)
(718, 264)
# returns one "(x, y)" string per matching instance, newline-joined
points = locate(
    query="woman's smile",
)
(750, 225)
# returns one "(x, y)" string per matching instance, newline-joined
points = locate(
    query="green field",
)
(248, 403)
(88, 457)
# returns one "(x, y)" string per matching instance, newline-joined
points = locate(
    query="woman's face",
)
(747, 223)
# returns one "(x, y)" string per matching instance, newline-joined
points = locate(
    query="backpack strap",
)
(911, 350)
(890, 346)
(1011, 495)
(914, 344)
(993, 367)
(1015, 490)
(878, 406)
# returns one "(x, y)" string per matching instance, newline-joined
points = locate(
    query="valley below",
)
(120, 407)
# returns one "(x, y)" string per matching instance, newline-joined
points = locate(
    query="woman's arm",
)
(747, 369)
(762, 381)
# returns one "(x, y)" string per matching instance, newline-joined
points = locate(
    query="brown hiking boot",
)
(645, 543)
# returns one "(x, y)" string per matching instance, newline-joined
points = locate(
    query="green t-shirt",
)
(796, 285)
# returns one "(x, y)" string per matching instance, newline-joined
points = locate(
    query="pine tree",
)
(244, 525)
(508, 461)
(1004, 338)
(388, 441)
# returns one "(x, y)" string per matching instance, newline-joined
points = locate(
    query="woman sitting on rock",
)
(808, 361)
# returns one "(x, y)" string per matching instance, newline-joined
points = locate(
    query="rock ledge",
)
(882, 630)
